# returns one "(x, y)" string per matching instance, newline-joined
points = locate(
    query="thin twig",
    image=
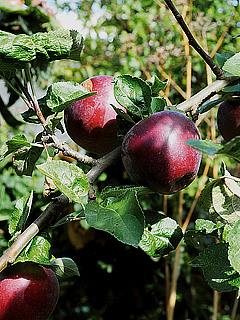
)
(235, 306)
(103, 163)
(60, 145)
(192, 41)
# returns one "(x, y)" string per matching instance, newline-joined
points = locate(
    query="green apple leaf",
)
(116, 191)
(64, 268)
(61, 94)
(69, 179)
(207, 226)
(24, 159)
(7, 70)
(207, 146)
(232, 65)
(231, 148)
(37, 250)
(220, 201)
(203, 227)
(12, 145)
(133, 93)
(26, 154)
(18, 50)
(217, 269)
(161, 234)
(20, 214)
(224, 202)
(121, 216)
(156, 85)
(234, 245)
(223, 57)
(231, 89)
(158, 104)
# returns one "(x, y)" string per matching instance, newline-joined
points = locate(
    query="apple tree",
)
(159, 144)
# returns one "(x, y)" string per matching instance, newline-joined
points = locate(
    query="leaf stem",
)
(32, 101)
(25, 92)
(18, 92)
(193, 42)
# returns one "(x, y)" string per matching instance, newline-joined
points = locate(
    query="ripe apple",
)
(28, 291)
(155, 154)
(228, 119)
(91, 122)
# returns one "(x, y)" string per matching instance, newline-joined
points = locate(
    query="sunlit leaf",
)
(232, 65)
(61, 94)
(69, 179)
(156, 85)
(20, 214)
(133, 93)
(37, 250)
(234, 245)
(161, 234)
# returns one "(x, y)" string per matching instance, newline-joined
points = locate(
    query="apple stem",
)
(220, 74)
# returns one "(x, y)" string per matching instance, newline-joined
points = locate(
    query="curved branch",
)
(100, 165)
(103, 163)
(48, 215)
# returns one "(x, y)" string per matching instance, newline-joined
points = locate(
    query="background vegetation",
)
(140, 38)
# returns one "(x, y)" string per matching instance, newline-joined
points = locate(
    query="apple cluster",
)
(154, 151)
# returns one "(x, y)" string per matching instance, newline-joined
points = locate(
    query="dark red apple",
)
(155, 154)
(28, 291)
(91, 122)
(228, 119)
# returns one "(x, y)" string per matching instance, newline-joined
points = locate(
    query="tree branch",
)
(100, 165)
(68, 151)
(103, 163)
(192, 41)
(193, 103)
(58, 204)
(49, 214)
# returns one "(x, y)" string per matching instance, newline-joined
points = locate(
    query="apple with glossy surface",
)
(228, 119)
(91, 122)
(155, 154)
(27, 291)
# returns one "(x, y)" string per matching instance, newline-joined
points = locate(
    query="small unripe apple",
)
(228, 119)
(91, 122)
(28, 291)
(155, 154)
